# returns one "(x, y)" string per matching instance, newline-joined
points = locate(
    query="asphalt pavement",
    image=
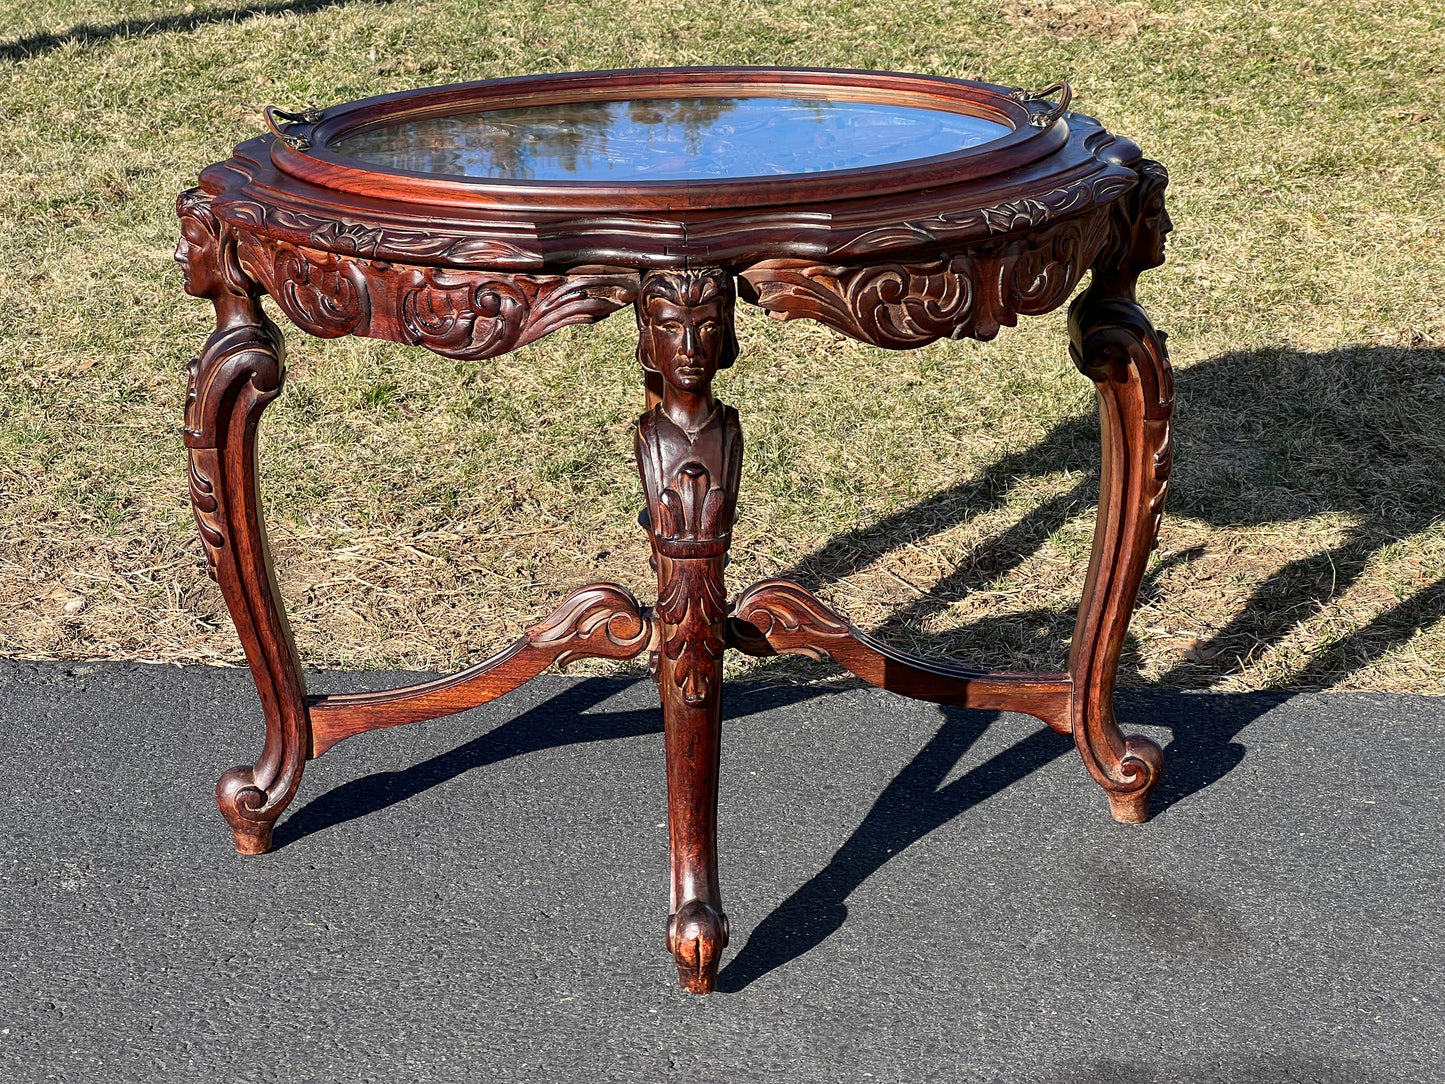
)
(915, 893)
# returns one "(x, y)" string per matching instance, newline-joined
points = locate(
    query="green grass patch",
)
(423, 510)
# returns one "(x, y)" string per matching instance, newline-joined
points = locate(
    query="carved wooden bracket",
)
(779, 617)
(970, 294)
(599, 621)
(458, 314)
(467, 314)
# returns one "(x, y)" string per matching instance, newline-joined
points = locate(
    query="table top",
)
(671, 167)
(670, 139)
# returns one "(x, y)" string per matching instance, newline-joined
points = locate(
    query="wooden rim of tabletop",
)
(1052, 164)
(312, 159)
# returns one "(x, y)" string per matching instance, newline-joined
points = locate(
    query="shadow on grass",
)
(91, 34)
(1264, 437)
(1261, 437)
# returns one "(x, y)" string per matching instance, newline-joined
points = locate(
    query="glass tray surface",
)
(669, 139)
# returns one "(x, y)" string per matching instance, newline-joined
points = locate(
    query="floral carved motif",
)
(458, 314)
(1013, 216)
(970, 294)
(376, 242)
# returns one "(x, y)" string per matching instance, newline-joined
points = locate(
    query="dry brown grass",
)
(424, 510)
(1068, 19)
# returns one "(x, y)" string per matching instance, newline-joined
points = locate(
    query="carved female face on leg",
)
(196, 253)
(685, 327)
(1153, 223)
(1154, 226)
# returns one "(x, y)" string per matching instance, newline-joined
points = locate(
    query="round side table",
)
(473, 219)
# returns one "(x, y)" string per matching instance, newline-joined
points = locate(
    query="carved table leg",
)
(1114, 344)
(240, 372)
(689, 452)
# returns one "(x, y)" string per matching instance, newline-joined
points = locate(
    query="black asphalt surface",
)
(916, 893)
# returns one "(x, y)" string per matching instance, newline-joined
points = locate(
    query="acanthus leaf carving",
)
(244, 358)
(691, 482)
(893, 305)
(689, 454)
(782, 603)
(691, 606)
(970, 294)
(456, 313)
(204, 464)
(601, 620)
(962, 227)
(319, 291)
(773, 606)
(391, 243)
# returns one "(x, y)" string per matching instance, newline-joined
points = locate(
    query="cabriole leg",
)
(689, 452)
(240, 371)
(1114, 344)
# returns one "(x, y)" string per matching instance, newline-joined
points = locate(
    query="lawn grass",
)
(424, 510)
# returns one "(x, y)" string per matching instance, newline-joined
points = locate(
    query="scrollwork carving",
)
(244, 358)
(1113, 342)
(971, 294)
(781, 604)
(320, 292)
(1014, 216)
(458, 314)
(601, 620)
(204, 505)
(240, 371)
(377, 242)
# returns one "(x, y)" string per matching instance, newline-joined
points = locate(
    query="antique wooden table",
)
(472, 219)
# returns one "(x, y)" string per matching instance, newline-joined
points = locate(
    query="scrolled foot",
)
(1141, 766)
(243, 804)
(696, 936)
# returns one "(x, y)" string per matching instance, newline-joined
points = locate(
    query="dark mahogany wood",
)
(599, 621)
(777, 617)
(319, 201)
(1114, 344)
(231, 383)
(690, 455)
(957, 245)
(314, 161)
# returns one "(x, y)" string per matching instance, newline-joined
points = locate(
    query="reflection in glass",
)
(669, 139)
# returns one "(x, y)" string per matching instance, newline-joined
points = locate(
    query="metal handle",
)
(309, 115)
(1046, 118)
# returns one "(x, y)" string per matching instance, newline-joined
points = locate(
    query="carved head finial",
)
(685, 325)
(1153, 222)
(1141, 222)
(206, 251)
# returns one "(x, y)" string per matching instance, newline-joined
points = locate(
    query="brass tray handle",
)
(308, 116)
(1047, 117)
